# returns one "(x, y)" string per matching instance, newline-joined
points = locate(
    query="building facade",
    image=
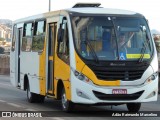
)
(5, 33)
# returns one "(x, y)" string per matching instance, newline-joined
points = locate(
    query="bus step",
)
(50, 96)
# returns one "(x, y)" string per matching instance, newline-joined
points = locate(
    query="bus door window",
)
(27, 37)
(39, 36)
(14, 38)
(51, 48)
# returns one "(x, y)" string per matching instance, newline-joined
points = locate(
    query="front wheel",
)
(67, 105)
(133, 107)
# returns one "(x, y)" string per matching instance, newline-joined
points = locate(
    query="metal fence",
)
(4, 64)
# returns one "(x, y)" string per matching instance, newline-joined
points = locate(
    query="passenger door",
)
(19, 46)
(52, 35)
(13, 54)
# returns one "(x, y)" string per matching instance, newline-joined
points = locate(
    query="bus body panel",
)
(27, 61)
(42, 71)
(13, 69)
(82, 92)
(88, 97)
(89, 73)
(154, 62)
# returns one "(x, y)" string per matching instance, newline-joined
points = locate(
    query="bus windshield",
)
(112, 38)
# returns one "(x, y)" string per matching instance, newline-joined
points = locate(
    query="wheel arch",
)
(60, 87)
(26, 82)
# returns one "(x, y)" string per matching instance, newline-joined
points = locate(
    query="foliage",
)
(38, 43)
(2, 39)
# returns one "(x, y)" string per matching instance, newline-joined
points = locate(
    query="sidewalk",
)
(5, 75)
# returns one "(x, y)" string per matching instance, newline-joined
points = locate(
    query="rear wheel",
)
(30, 96)
(40, 98)
(159, 84)
(133, 107)
(67, 105)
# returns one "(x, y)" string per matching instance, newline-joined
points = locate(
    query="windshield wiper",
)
(92, 50)
(113, 22)
(144, 49)
(142, 53)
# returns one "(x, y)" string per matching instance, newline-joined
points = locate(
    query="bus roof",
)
(94, 10)
(86, 10)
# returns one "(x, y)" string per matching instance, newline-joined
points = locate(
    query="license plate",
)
(119, 91)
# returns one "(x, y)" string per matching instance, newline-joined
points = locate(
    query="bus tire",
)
(40, 98)
(133, 107)
(31, 97)
(67, 106)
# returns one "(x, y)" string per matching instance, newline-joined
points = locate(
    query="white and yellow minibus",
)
(85, 55)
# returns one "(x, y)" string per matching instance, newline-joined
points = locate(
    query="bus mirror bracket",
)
(60, 33)
(61, 29)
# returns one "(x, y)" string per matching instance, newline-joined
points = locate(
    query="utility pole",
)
(49, 5)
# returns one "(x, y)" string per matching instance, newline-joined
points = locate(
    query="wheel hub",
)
(64, 101)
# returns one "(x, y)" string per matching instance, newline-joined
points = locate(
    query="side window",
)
(63, 42)
(27, 37)
(39, 36)
(14, 38)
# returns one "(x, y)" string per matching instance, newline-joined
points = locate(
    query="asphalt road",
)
(13, 99)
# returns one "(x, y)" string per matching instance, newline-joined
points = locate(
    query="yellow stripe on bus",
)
(51, 58)
(90, 74)
(131, 56)
(42, 71)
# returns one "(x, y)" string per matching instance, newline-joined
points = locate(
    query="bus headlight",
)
(152, 77)
(82, 77)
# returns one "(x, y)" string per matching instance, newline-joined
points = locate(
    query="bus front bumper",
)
(84, 93)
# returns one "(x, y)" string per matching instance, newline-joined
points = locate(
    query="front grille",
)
(126, 73)
(117, 97)
(119, 74)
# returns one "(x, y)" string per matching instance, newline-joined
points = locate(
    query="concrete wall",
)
(4, 64)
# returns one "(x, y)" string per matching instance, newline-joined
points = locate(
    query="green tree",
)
(2, 39)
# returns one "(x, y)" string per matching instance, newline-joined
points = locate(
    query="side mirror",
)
(60, 33)
(61, 30)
